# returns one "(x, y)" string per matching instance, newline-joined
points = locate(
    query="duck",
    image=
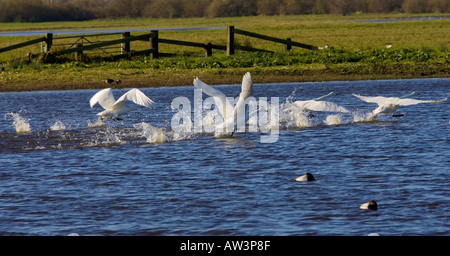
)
(306, 177)
(371, 205)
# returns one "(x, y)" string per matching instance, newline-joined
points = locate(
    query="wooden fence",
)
(231, 41)
(124, 43)
(83, 44)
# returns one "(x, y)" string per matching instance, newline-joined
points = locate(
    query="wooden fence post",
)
(79, 53)
(208, 50)
(125, 49)
(48, 42)
(154, 44)
(288, 45)
(230, 41)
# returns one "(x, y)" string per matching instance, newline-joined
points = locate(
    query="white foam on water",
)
(333, 120)
(177, 136)
(58, 126)
(111, 137)
(108, 137)
(159, 135)
(360, 117)
(96, 124)
(151, 133)
(293, 116)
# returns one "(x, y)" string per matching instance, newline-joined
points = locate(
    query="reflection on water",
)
(65, 171)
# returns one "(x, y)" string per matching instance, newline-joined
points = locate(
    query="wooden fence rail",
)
(154, 41)
(103, 44)
(17, 46)
(231, 45)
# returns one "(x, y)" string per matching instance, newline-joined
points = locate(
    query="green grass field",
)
(419, 49)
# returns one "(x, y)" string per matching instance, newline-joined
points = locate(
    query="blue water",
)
(405, 19)
(114, 179)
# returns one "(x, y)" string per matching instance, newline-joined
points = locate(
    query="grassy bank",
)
(419, 49)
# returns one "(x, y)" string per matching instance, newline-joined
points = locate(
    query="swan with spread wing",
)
(114, 109)
(389, 105)
(225, 107)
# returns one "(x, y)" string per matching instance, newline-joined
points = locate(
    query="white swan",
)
(322, 106)
(226, 109)
(388, 105)
(114, 109)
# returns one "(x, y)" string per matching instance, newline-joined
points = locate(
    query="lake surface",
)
(64, 171)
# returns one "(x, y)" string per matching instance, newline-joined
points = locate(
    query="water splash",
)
(292, 95)
(97, 124)
(20, 124)
(58, 126)
(293, 116)
(360, 117)
(152, 133)
(333, 120)
(112, 138)
(177, 136)
(108, 137)
(211, 119)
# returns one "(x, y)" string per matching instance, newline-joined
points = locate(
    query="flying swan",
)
(318, 105)
(225, 107)
(388, 105)
(114, 109)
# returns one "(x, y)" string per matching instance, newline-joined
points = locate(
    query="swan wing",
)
(408, 102)
(247, 86)
(320, 106)
(136, 96)
(324, 96)
(246, 91)
(221, 101)
(380, 100)
(119, 108)
(104, 97)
